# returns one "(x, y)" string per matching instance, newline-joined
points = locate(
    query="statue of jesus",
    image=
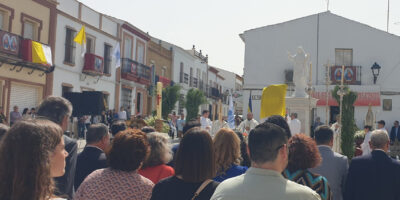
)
(300, 71)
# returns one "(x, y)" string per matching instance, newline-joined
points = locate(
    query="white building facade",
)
(234, 83)
(334, 41)
(71, 73)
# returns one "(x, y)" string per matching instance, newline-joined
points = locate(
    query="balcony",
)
(165, 81)
(17, 51)
(94, 65)
(136, 72)
(352, 75)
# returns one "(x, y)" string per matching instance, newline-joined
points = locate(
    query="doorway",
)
(334, 110)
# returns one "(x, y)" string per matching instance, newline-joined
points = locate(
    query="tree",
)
(194, 98)
(349, 127)
(170, 95)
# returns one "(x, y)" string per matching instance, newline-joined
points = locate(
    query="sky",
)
(214, 25)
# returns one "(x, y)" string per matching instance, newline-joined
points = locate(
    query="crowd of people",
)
(257, 161)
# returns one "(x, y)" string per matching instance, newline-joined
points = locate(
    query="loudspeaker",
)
(92, 102)
(76, 100)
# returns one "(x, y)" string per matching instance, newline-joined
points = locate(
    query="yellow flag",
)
(273, 101)
(81, 39)
(41, 54)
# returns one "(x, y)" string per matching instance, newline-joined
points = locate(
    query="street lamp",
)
(375, 71)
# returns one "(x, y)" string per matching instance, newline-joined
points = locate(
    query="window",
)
(90, 41)
(191, 77)
(29, 30)
(186, 78)
(344, 57)
(128, 48)
(2, 19)
(107, 59)
(69, 56)
(65, 89)
(163, 69)
(181, 74)
(140, 52)
(139, 103)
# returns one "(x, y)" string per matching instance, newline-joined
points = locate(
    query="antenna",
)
(327, 5)
(387, 26)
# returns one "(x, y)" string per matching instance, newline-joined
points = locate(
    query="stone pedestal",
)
(302, 106)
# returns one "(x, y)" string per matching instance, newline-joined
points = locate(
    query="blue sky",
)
(214, 25)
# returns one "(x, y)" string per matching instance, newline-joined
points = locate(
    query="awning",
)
(363, 99)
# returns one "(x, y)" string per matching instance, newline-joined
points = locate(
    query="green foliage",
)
(194, 99)
(151, 121)
(170, 95)
(348, 124)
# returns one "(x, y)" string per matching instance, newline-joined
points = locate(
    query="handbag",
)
(201, 188)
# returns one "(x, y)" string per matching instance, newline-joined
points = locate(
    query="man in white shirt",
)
(365, 145)
(247, 125)
(205, 121)
(294, 124)
(122, 114)
(381, 126)
(268, 152)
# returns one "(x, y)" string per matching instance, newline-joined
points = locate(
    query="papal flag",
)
(117, 55)
(80, 38)
(273, 101)
(41, 54)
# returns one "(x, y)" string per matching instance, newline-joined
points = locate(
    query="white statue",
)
(300, 71)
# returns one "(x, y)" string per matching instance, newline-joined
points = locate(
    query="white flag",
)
(231, 117)
(117, 55)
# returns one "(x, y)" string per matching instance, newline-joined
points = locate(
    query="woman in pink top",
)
(155, 168)
(128, 150)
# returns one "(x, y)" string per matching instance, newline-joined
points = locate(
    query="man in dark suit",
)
(334, 166)
(92, 157)
(375, 176)
(395, 132)
(58, 110)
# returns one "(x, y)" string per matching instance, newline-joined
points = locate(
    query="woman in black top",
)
(195, 163)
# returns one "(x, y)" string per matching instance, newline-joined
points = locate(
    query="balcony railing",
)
(17, 51)
(165, 81)
(94, 64)
(352, 75)
(134, 71)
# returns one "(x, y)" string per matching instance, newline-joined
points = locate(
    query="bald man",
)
(374, 176)
(247, 125)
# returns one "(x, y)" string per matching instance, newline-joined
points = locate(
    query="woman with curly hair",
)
(303, 155)
(227, 155)
(155, 168)
(32, 153)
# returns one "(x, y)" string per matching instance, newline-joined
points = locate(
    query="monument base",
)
(302, 106)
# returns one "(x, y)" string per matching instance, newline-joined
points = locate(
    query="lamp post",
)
(375, 71)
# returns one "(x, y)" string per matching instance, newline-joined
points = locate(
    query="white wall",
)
(266, 56)
(73, 74)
